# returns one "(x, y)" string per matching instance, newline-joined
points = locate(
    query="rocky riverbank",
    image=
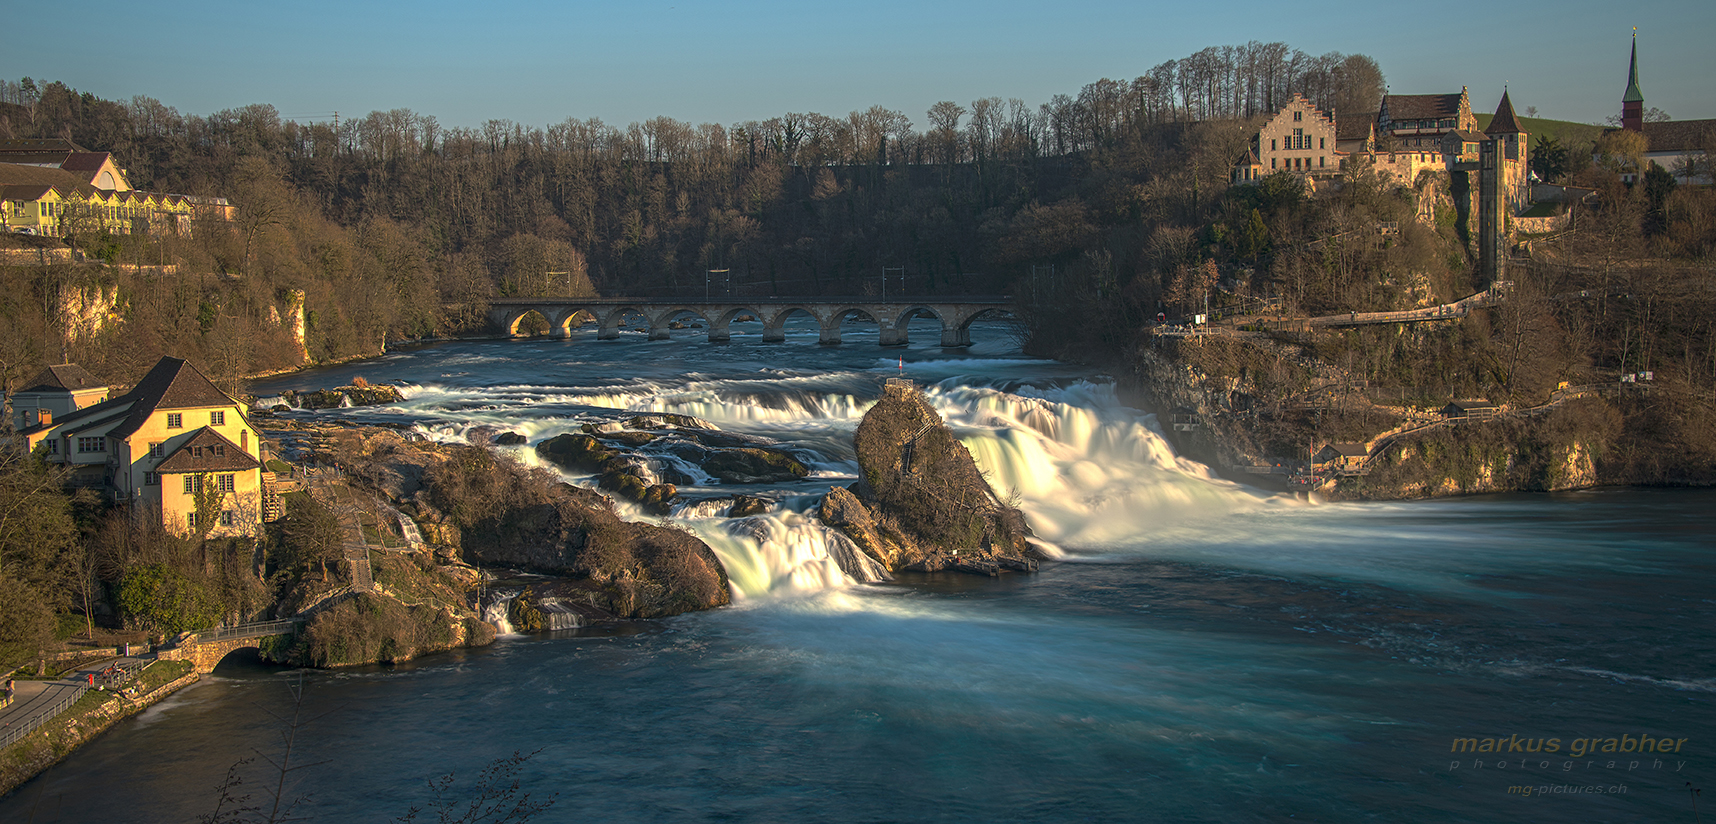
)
(1246, 405)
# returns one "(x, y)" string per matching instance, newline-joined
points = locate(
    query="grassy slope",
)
(1569, 133)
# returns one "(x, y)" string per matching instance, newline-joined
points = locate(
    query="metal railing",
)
(259, 628)
(15, 732)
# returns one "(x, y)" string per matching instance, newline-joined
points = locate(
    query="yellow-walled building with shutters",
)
(175, 448)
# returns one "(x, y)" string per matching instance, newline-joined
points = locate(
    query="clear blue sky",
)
(540, 62)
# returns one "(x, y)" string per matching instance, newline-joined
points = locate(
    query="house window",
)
(1298, 116)
(53, 446)
(1321, 144)
(92, 444)
(191, 519)
(226, 518)
(223, 483)
(155, 450)
(217, 419)
(1320, 163)
(1272, 144)
(1272, 163)
(175, 420)
(219, 450)
(151, 479)
(193, 484)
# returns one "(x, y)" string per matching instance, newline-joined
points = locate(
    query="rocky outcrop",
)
(646, 458)
(342, 396)
(922, 504)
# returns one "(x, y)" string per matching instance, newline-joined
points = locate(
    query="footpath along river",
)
(1203, 652)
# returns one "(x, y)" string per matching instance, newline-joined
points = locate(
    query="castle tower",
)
(1514, 167)
(1632, 103)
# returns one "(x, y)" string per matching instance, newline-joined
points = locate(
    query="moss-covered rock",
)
(577, 452)
(753, 465)
(923, 504)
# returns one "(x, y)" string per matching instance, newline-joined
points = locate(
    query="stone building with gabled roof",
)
(1416, 122)
(174, 448)
(1299, 139)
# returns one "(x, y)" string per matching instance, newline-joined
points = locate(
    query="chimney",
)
(47, 416)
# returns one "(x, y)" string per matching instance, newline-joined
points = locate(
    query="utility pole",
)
(885, 271)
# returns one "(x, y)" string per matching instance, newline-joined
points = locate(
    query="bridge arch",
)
(832, 325)
(513, 319)
(897, 334)
(659, 322)
(721, 323)
(570, 318)
(774, 326)
(959, 334)
(609, 324)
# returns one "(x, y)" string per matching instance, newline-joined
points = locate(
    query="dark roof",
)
(52, 144)
(1504, 122)
(207, 451)
(1346, 450)
(1633, 95)
(1421, 106)
(18, 174)
(66, 377)
(173, 384)
(55, 159)
(85, 161)
(82, 419)
(1680, 135)
(1356, 127)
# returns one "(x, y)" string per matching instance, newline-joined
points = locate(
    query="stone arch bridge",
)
(956, 315)
(206, 649)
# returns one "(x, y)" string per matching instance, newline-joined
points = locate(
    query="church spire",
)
(1632, 103)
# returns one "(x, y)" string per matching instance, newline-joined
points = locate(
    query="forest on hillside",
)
(1111, 205)
(392, 219)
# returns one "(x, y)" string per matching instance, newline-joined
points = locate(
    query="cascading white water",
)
(1086, 470)
(784, 553)
(1089, 472)
(497, 611)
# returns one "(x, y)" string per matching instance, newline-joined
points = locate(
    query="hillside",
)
(1568, 132)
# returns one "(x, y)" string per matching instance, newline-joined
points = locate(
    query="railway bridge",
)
(956, 314)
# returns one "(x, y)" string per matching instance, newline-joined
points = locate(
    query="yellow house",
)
(174, 448)
(44, 199)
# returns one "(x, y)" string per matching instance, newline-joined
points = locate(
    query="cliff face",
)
(922, 504)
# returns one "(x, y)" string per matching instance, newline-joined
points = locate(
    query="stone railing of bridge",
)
(891, 316)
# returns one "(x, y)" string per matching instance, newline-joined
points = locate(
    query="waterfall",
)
(785, 552)
(496, 611)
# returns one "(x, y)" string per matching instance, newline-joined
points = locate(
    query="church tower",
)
(1632, 104)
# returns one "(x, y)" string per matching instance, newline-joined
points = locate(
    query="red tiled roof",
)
(1421, 106)
(1504, 122)
(207, 451)
(85, 161)
(1681, 135)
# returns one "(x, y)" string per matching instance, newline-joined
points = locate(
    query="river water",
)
(1202, 652)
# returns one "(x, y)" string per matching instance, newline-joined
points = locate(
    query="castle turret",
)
(1632, 103)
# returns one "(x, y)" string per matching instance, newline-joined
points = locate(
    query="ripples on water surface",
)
(1204, 652)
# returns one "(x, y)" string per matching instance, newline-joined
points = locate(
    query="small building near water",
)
(1341, 456)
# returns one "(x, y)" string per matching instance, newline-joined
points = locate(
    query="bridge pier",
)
(953, 336)
(828, 334)
(892, 335)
